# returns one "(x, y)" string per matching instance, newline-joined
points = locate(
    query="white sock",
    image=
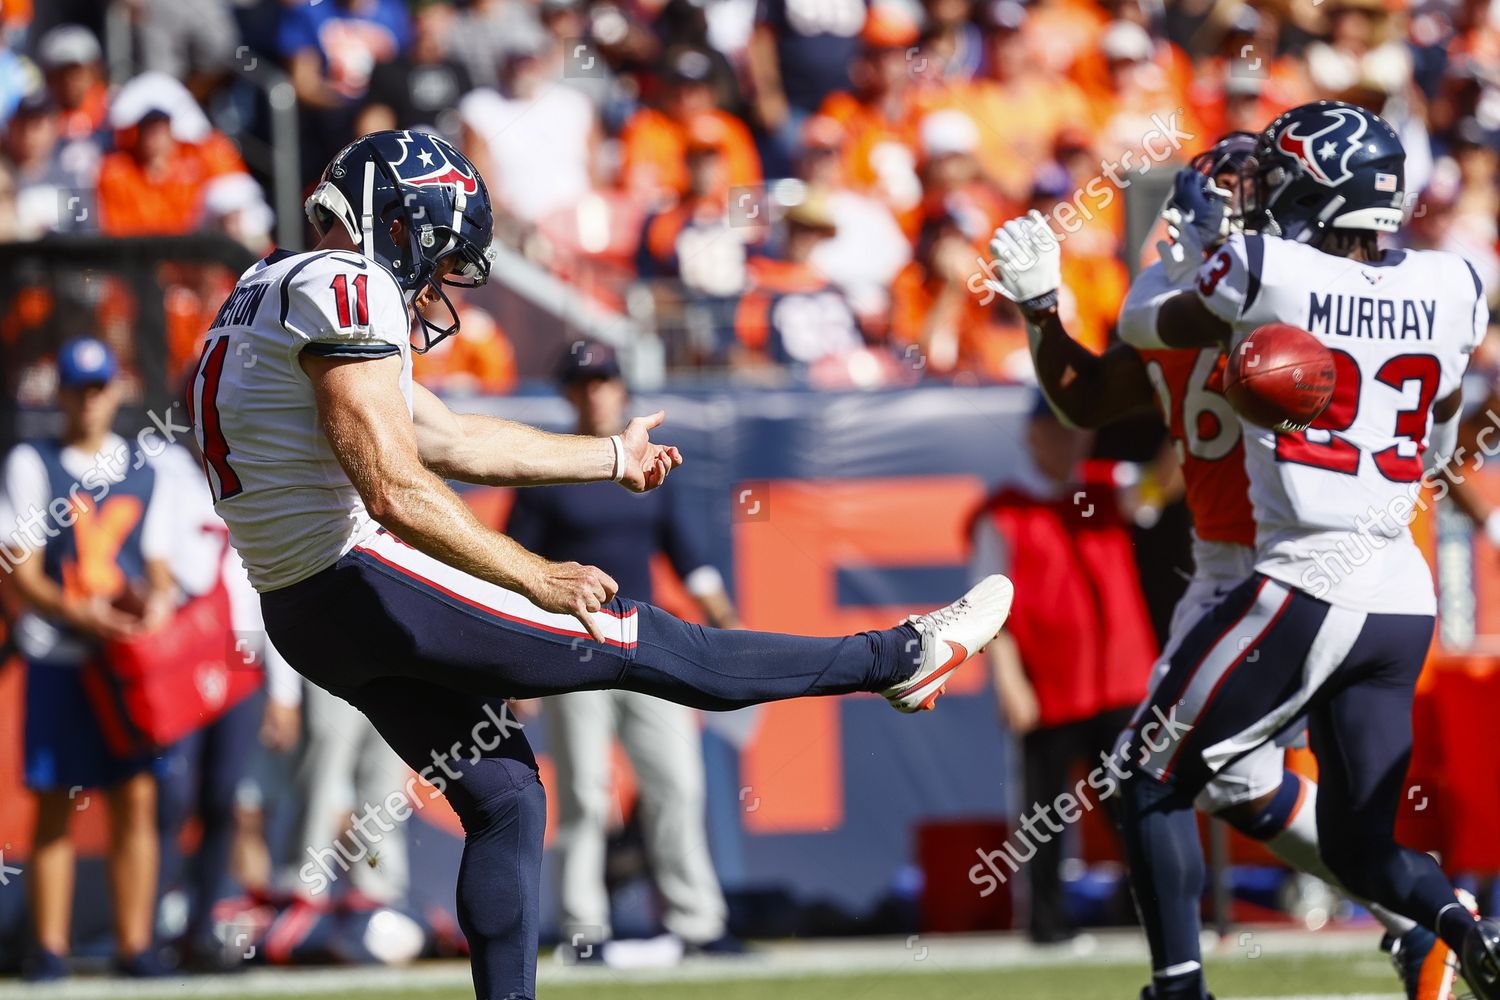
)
(1297, 845)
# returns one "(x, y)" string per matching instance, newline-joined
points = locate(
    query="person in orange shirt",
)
(793, 315)
(1094, 279)
(952, 181)
(477, 359)
(939, 323)
(1019, 104)
(151, 184)
(879, 116)
(70, 56)
(655, 140)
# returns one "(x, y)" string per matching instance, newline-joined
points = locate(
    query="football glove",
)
(1028, 262)
(1197, 218)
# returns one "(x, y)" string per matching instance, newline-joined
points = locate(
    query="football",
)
(1280, 377)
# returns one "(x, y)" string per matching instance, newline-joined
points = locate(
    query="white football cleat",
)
(949, 636)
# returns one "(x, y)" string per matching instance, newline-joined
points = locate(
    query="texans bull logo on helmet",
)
(422, 153)
(1325, 152)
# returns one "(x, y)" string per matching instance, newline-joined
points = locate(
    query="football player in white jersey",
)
(379, 584)
(1335, 622)
(1255, 793)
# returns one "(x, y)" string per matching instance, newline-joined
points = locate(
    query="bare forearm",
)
(38, 591)
(494, 452)
(1087, 389)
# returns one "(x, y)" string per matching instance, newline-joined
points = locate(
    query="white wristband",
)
(619, 445)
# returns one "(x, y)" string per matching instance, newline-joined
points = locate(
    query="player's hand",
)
(98, 618)
(646, 464)
(1028, 262)
(1197, 217)
(161, 605)
(280, 725)
(574, 589)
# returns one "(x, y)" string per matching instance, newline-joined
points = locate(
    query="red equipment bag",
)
(149, 691)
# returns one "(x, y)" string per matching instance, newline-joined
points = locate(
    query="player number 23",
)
(1338, 454)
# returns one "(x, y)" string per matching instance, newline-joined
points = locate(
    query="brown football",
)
(1279, 377)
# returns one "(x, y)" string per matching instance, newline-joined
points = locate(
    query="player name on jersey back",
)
(1333, 503)
(1333, 315)
(290, 507)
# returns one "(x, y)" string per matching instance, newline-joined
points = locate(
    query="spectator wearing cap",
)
(793, 316)
(622, 536)
(1019, 103)
(800, 52)
(867, 248)
(70, 56)
(953, 184)
(879, 115)
(151, 184)
(535, 140)
(422, 86)
(655, 140)
(1136, 89)
(98, 573)
(54, 180)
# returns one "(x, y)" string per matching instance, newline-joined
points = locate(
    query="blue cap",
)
(85, 361)
(587, 360)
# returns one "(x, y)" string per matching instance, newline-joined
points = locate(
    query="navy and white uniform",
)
(1335, 622)
(426, 651)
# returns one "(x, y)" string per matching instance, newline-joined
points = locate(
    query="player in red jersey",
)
(1255, 794)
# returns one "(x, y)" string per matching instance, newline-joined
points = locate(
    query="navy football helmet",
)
(437, 195)
(1327, 165)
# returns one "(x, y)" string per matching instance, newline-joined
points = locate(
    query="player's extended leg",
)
(1361, 734)
(487, 771)
(1235, 681)
(387, 610)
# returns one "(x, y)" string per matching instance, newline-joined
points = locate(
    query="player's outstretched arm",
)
(487, 450)
(1086, 389)
(363, 414)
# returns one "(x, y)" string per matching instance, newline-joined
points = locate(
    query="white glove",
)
(1181, 259)
(1028, 262)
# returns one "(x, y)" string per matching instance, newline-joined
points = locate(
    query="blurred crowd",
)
(776, 185)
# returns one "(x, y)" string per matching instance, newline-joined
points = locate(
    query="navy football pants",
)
(1251, 669)
(427, 653)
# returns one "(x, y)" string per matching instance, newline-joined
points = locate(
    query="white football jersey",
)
(1333, 503)
(290, 508)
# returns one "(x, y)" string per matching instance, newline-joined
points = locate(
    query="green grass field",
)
(1311, 977)
(1305, 976)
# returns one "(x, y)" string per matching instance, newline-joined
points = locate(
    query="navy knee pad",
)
(1278, 812)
